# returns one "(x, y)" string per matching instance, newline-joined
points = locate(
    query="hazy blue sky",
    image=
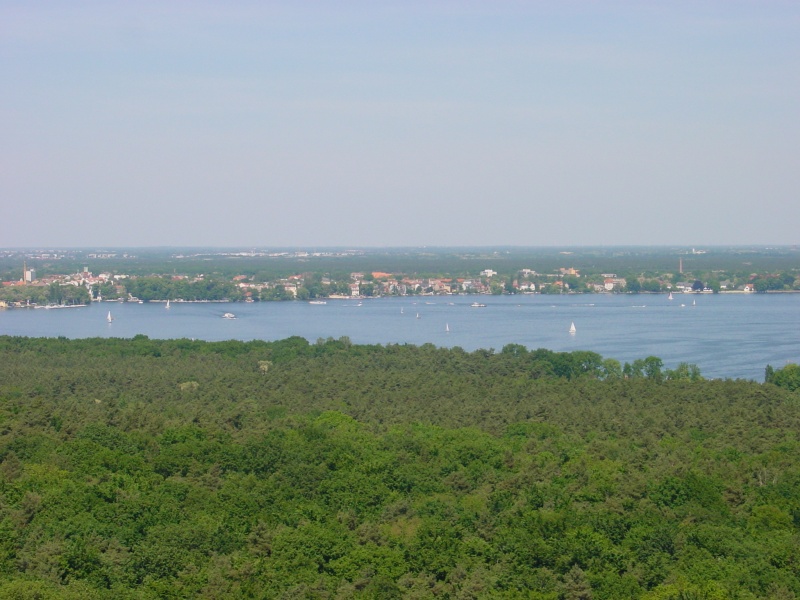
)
(399, 123)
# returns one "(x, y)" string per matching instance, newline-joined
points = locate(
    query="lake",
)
(726, 335)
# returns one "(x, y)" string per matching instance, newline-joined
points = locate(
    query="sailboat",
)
(109, 318)
(694, 303)
(670, 296)
(447, 328)
(418, 315)
(401, 310)
(167, 306)
(572, 328)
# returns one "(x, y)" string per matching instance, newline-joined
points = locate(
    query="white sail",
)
(109, 318)
(167, 306)
(572, 328)
(447, 327)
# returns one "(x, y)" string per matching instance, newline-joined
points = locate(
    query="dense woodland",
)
(186, 469)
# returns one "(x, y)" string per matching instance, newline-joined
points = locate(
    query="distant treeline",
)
(148, 468)
(423, 262)
(167, 288)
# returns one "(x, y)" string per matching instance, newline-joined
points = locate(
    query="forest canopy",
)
(146, 468)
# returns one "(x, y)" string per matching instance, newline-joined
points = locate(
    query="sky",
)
(407, 123)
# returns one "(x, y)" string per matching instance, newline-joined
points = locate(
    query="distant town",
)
(64, 278)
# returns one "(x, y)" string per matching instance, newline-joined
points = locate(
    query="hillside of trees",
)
(148, 468)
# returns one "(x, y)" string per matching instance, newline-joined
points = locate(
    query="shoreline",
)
(361, 298)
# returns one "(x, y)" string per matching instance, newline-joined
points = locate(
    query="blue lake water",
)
(726, 335)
